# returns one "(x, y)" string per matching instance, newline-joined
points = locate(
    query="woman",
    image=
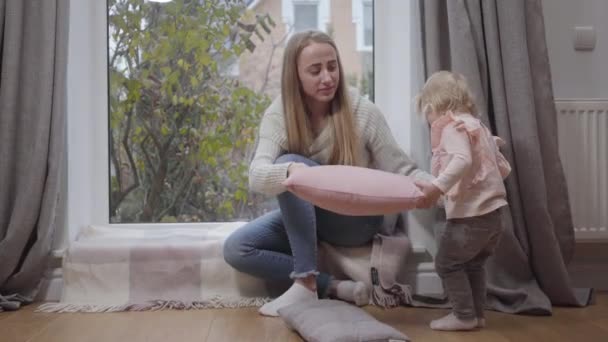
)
(316, 121)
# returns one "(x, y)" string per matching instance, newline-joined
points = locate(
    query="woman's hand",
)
(431, 194)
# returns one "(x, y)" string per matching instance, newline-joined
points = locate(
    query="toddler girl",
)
(469, 171)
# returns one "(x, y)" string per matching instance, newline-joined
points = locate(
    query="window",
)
(306, 16)
(188, 83)
(363, 17)
(368, 23)
(300, 15)
(396, 69)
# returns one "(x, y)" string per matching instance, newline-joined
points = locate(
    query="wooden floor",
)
(567, 324)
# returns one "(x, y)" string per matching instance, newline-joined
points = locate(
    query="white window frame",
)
(396, 79)
(358, 20)
(87, 119)
(398, 75)
(323, 12)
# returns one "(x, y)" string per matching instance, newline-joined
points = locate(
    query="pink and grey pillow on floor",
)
(351, 190)
(336, 321)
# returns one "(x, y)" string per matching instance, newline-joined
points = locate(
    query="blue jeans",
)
(283, 243)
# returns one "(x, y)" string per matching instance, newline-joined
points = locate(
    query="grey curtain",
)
(500, 47)
(33, 57)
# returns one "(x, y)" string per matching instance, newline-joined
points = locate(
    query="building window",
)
(363, 18)
(300, 15)
(306, 16)
(368, 24)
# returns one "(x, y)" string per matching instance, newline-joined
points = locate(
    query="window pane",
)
(368, 23)
(188, 83)
(306, 17)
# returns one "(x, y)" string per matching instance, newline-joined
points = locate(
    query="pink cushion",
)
(350, 190)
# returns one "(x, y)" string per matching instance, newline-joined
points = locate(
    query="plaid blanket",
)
(130, 269)
(109, 269)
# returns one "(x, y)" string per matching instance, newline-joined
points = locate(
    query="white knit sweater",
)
(379, 150)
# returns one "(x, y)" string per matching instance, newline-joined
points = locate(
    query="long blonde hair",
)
(299, 128)
(446, 91)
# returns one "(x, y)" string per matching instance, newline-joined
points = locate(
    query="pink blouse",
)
(468, 166)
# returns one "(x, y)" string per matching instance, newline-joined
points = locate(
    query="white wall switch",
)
(584, 38)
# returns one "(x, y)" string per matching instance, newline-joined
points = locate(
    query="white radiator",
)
(583, 148)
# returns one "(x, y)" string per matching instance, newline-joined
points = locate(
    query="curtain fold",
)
(33, 63)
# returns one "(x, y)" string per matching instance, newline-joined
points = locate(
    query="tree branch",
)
(146, 154)
(272, 52)
(177, 196)
(115, 161)
(125, 144)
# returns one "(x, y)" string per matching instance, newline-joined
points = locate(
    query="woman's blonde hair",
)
(446, 91)
(341, 119)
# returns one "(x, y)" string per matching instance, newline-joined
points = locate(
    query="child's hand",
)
(441, 201)
(431, 194)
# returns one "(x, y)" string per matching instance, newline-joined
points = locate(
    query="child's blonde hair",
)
(446, 91)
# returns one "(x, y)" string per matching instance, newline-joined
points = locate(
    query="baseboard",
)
(589, 266)
(425, 280)
(589, 276)
(421, 274)
(591, 235)
(51, 285)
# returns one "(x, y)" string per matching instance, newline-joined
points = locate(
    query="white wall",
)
(580, 75)
(577, 74)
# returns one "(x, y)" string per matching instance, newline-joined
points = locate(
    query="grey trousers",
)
(464, 247)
